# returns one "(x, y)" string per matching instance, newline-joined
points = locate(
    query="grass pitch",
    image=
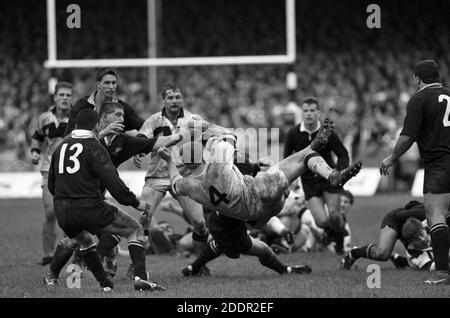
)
(21, 276)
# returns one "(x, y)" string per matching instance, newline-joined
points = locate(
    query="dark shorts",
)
(230, 235)
(316, 186)
(75, 216)
(437, 176)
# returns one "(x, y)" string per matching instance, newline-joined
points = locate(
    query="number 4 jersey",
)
(79, 165)
(220, 186)
(428, 121)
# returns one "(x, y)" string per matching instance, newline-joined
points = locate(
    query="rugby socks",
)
(137, 255)
(106, 244)
(271, 261)
(210, 252)
(440, 241)
(60, 258)
(199, 242)
(94, 264)
(318, 165)
(363, 251)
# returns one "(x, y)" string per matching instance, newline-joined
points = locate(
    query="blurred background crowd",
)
(364, 74)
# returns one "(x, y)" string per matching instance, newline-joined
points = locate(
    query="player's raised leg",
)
(436, 206)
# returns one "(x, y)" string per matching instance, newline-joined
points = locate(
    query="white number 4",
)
(73, 158)
(445, 120)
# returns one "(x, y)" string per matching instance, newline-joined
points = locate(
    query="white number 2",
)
(445, 120)
(73, 158)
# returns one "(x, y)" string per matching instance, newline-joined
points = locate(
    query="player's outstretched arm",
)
(402, 145)
(175, 178)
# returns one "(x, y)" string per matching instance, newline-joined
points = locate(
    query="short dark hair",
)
(62, 85)
(348, 195)
(105, 71)
(310, 100)
(108, 107)
(170, 87)
(87, 119)
(411, 229)
(427, 71)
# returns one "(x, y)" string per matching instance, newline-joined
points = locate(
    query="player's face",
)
(422, 241)
(166, 227)
(107, 86)
(310, 113)
(63, 98)
(173, 101)
(116, 115)
(345, 204)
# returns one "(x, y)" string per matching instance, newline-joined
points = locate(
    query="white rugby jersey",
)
(159, 125)
(51, 131)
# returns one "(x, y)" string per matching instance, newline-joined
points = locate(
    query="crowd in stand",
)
(364, 74)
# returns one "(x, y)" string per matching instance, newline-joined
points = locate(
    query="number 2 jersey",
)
(80, 165)
(428, 121)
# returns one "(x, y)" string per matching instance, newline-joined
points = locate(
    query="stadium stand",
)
(368, 87)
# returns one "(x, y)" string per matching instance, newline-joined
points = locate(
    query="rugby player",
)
(406, 224)
(217, 184)
(322, 197)
(106, 82)
(78, 167)
(427, 122)
(48, 135)
(173, 117)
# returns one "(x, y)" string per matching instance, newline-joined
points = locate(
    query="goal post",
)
(53, 61)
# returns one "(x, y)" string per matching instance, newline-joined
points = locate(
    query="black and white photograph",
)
(224, 156)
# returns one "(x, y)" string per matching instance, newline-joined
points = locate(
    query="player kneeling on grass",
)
(78, 167)
(408, 225)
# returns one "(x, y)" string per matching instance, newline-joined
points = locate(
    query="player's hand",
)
(385, 164)
(144, 207)
(165, 153)
(137, 160)
(35, 157)
(265, 163)
(174, 139)
(112, 129)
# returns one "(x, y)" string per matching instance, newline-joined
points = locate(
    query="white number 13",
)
(73, 158)
(445, 120)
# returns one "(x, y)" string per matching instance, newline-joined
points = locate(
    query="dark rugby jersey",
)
(123, 147)
(131, 119)
(428, 121)
(79, 165)
(298, 139)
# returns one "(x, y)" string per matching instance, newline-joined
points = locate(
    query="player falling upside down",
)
(217, 183)
(405, 224)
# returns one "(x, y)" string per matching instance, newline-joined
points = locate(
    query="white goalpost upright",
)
(54, 62)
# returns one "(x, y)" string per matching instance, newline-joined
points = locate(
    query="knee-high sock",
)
(93, 262)
(210, 252)
(106, 243)
(440, 241)
(137, 255)
(318, 165)
(60, 258)
(199, 242)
